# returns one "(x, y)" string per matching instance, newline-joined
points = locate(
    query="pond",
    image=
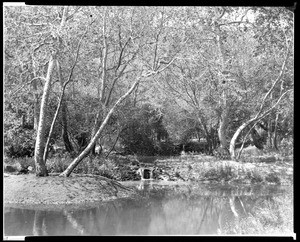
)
(160, 209)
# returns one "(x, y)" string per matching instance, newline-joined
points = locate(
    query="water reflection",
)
(162, 212)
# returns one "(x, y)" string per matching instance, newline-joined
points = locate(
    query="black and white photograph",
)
(148, 120)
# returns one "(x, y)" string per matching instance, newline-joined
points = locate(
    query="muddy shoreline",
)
(86, 189)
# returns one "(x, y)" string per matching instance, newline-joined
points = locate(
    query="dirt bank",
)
(77, 189)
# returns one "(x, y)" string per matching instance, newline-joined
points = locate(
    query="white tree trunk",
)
(236, 135)
(92, 143)
(223, 127)
(257, 117)
(40, 165)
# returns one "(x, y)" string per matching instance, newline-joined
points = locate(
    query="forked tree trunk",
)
(40, 166)
(244, 125)
(260, 113)
(61, 103)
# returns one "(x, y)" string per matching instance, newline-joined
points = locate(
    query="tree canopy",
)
(147, 75)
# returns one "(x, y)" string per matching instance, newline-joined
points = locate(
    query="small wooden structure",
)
(146, 173)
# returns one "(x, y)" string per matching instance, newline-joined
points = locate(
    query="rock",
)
(23, 171)
(9, 168)
(252, 150)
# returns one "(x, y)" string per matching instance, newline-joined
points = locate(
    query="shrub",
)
(254, 176)
(17, 164)
(286, 147)
(273, 178)
(19, 142)
(57, 165)
(221, 153)
(144, 132)
(220, 173)
(165, 148)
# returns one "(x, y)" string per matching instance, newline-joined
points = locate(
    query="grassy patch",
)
(254, 176)
(220, 173)
(272, 178)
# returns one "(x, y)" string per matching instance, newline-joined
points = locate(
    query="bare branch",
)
(29, 82)
(276, 81)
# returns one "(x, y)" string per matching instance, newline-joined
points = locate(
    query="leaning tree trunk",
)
(86, 151)
(100, 115)
(61, 102)
(258, 116)
(260, 113)
(92, 143)
(236, 135)
(40, 166)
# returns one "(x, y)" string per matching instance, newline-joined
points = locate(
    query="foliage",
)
(286, 147)
(221, 153)
(19, 141)
(221, 173)
(254, 176)
(272, 178)
(225, 60)
(144, 133)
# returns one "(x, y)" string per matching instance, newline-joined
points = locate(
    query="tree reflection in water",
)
(157, 213)
(39, 224)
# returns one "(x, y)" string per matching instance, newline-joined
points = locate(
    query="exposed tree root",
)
(111, 182)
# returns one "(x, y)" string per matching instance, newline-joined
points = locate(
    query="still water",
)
(161, 210)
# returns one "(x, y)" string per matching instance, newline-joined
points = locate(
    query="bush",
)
(17, 164)
(254, 176)
(195, 147)
(220, 173)
(286, 147)
(221, 153)
(273, 178)
(166, 149)
(19, 142)
(143, 133)
(57, 164)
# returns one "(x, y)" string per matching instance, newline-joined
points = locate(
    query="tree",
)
(40, 166)
(144, 132)
(204, 68)
(85, 152)
(262, 112)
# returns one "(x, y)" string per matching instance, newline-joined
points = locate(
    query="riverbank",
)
(76, 189)
(84, 188)
(261, 170)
